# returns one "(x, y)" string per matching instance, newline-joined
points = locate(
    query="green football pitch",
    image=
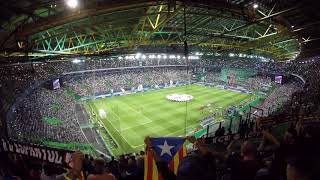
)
(130, 118)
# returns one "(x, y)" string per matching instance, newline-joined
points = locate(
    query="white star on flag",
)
(165, 149)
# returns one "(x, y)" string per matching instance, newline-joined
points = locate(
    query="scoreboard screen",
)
(56, 84)
(278, 79)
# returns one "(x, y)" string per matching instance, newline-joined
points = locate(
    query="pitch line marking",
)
(227, 95)
(141, 124)
(100, 119)
(136, 111)
(166, 135)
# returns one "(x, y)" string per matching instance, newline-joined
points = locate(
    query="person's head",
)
(196, 167)
(99, 166)
(91, 158)
(122, 157)
(141, 153)
(263, 174)
(140, 162)
(303, 161)
(49, 169)
(132, 161)
(248, 150)
(290, 136)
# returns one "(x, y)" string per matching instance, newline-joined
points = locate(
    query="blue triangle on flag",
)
(167, 147)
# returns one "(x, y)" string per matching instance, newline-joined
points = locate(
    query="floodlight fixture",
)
(255, 6)
(152, 56)
(138, 55)
(143, 56)
(76, 61)
(165, 56)
(72, 3)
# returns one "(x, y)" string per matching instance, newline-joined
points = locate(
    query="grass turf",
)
(132, 117)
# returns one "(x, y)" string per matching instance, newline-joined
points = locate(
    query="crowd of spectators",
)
(17, 77)
(296, 157)
(34, 108)
(293, 156)
(279, 98)
(29, 122)
(250, 63)
(257, 83)
(30, 116)
(309, 96)
(99, 83)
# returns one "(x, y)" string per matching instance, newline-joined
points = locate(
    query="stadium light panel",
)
(72, 3)
(76, 61)
(120, 58)
(178, 57)
(172, 56)
(152, 56)
(138, 55)
(165, 56)
(144, 56)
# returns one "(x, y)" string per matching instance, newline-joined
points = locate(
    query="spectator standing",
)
(100, 171)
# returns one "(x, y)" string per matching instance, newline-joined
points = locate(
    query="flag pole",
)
(187, 63)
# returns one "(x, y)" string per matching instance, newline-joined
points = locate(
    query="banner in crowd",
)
(170, 150)
(279, 119)
(311, 121)
(226, 139)
(52, 155)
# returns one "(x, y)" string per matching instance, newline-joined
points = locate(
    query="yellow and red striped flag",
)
(170, 150)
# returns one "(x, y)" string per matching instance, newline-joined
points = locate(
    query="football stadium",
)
(160, 90)
(136, 116)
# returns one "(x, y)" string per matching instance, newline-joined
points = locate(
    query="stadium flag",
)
(170, 150)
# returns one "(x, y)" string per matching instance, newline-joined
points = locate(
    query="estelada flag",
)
(170, 150)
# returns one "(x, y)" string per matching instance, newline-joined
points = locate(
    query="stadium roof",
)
(280, 29)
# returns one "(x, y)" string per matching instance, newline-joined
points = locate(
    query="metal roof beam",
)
(251, 23)
(66, 18)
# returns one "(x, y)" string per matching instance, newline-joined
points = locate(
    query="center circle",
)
(179, 97)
